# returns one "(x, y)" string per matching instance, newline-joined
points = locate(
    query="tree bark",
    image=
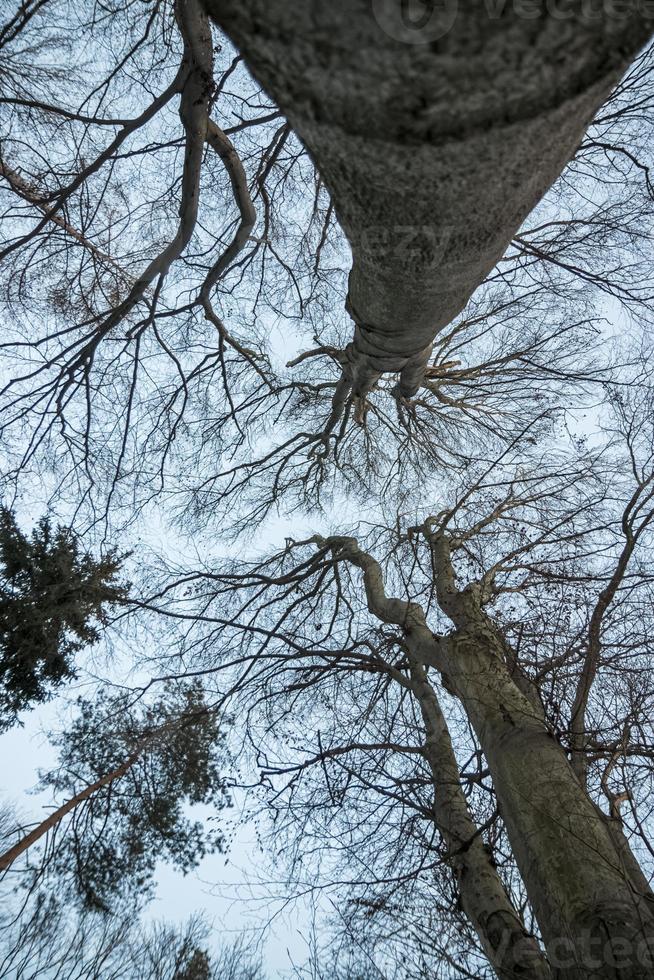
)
(434, 152)
(596, 920)
(57, 815)
(511, 951)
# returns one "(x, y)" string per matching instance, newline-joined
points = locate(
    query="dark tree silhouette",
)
(53, 597)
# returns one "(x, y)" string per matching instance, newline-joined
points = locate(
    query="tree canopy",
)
(331, 331)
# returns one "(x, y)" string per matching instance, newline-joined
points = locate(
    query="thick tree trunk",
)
(596, 919)
(577, 880)
(594, 910)
(511, 951)
(434, 152)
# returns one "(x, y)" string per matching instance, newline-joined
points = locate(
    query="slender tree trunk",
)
(435, 138)
(57, 815)
(594, 644)
(511, 951)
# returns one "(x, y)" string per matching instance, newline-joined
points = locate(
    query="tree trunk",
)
(435, 137)
(511, 951)
(595, 912)
(595, 920)
(57, 815)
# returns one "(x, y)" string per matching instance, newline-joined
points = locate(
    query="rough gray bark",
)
(433, 152)
(595, 913)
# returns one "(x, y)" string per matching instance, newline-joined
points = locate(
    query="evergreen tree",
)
(161, 757)
(53, 596)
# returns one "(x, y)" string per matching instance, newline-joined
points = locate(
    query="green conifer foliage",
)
(53, 597)
(173, 754)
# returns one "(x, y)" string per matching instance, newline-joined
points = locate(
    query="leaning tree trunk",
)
(435, 137)
(511, 950)
(593, 906)
(592, 903)
(12, 853)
